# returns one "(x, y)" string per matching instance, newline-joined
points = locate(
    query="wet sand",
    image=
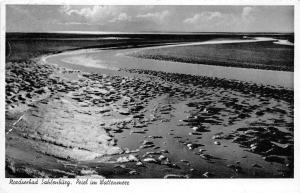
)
(139, 123)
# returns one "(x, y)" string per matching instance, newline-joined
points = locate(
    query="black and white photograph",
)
(151, 91)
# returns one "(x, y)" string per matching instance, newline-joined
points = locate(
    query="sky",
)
(146, 18)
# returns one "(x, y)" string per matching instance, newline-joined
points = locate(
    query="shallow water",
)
(117, 59)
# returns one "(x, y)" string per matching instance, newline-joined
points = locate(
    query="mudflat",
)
(267, 55)
(67, 120)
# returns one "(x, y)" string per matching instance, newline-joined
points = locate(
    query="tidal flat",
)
(74, 120)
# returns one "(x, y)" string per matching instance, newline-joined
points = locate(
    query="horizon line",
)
(141, 32)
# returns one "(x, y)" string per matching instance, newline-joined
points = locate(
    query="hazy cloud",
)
(108, 14)
(203, 17)
(121, 17)
(156, 16)
(248, 14)
(93, 14)
(222, 21)
(247, 11)
(149, 18)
